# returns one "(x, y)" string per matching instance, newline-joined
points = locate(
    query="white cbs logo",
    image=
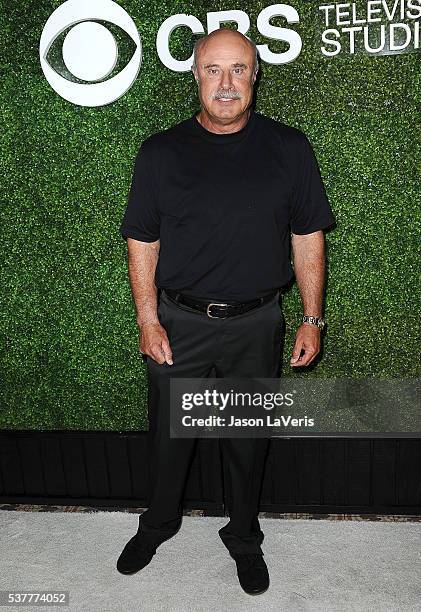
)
(90, 51)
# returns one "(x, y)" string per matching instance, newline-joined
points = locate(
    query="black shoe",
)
(252, 573)
(136, 555)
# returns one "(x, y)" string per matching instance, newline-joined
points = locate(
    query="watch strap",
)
(318, 321)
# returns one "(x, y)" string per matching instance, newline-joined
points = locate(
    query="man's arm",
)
(309, 267)
(142, 262)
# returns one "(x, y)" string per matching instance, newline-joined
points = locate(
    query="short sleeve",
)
(310, 210)
(141, 220)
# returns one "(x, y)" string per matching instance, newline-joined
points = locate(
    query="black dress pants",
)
(246, 345)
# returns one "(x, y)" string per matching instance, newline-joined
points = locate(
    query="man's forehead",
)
(228, 51)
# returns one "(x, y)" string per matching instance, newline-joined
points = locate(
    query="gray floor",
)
(313, 564)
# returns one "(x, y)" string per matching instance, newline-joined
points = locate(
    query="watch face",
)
(321, 323)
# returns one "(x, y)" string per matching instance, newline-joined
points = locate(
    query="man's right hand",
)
(154, 342)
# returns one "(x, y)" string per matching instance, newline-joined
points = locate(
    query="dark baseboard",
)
(305, 475)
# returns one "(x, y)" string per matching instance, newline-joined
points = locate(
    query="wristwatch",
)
(318, 321)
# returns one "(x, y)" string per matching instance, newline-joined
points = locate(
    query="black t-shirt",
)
(223, 206)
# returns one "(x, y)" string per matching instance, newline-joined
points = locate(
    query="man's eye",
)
(238, 70)
(213, 71)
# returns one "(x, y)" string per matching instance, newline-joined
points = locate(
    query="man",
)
(212, 206)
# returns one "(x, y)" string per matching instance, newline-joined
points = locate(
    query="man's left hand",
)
(307, 338)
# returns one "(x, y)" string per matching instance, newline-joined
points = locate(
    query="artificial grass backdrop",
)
(69, 356)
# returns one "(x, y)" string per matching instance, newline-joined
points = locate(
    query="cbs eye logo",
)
(89, 52)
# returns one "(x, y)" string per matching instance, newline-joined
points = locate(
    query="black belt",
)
(220, 310)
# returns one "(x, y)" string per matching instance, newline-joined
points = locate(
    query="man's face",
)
(225, 76)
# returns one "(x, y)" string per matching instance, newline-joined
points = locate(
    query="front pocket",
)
(162, 311)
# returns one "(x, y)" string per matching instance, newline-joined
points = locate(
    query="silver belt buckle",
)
(215, 304)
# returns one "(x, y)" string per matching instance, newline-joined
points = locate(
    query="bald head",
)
(224, 35)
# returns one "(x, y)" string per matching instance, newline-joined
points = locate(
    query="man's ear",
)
(194, 74)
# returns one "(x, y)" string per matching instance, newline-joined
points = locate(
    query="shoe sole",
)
(129, 573)
(256, 592)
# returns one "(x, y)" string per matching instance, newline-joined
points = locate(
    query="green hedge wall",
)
(69, 341)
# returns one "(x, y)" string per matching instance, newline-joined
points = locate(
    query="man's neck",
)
(216, 126)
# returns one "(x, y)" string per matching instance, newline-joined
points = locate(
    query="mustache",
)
(226, 94)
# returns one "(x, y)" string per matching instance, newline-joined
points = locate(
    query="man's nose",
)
(226, 79)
